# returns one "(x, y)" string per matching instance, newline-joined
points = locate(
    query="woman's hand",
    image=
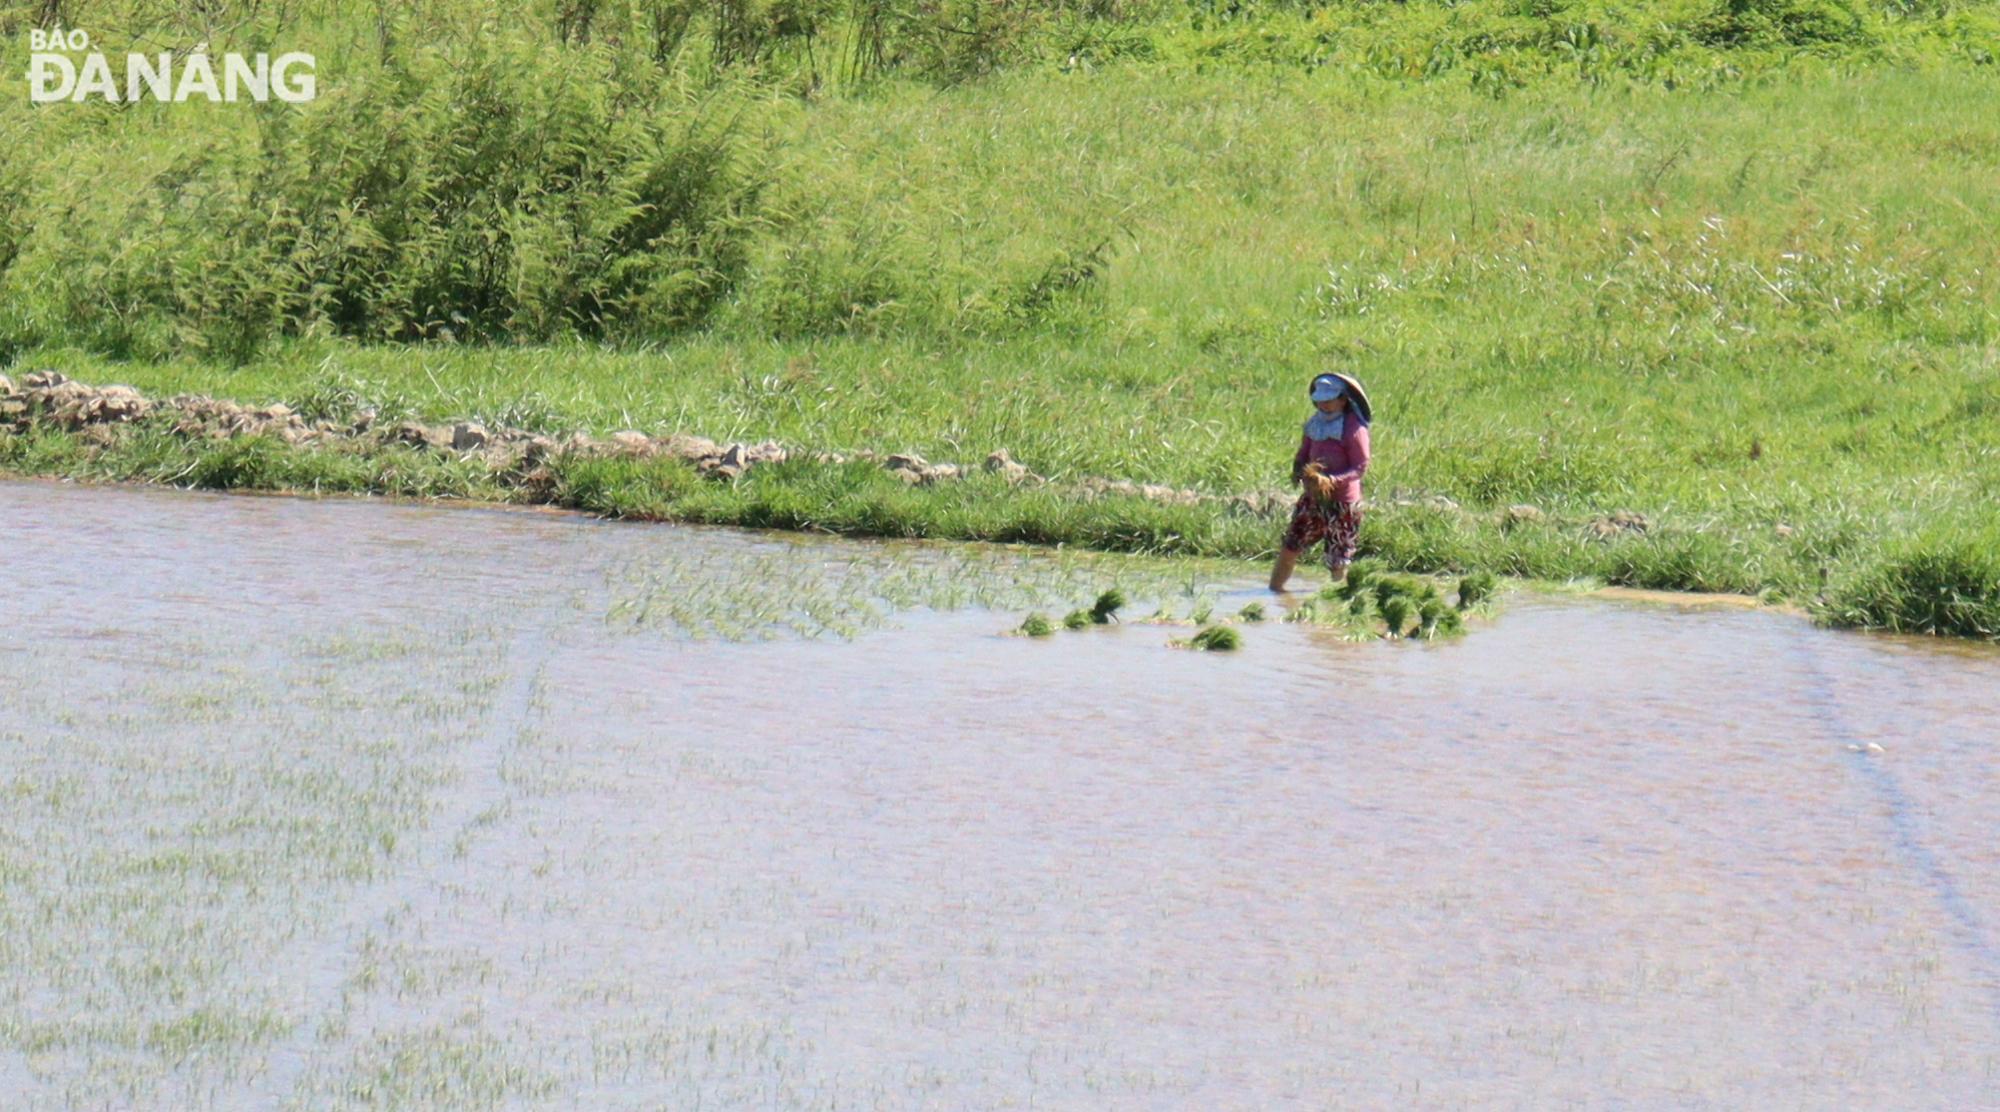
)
(1317, 481)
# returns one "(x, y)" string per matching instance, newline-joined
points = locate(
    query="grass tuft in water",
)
(1254, 612)
(1037, 625)
(1107, 606)
(1941, 585)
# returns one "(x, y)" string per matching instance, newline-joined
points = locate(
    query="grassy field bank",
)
(1743, 288)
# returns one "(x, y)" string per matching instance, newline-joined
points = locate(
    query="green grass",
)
(1755, 303)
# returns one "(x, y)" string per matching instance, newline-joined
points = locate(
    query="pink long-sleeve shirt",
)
(1343, 458)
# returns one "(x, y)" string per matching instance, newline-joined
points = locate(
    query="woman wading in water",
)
(1332, 454)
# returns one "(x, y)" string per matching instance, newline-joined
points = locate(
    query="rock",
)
(502, 455)
(1523, 515)
(63, 395)
(43, 380)
(690, 448)
(539, 480)
(98, 436)
(906, 461)
(272, 412)
(117, 403)
(1784, 530)
(468, 437)
(418, 435)
(908, 476)
(1623, 521)
(538, 448)
(6, 387)
(633, 444)
(943, 472)
(1002, 464)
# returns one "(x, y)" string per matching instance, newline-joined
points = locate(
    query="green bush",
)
(494, 191)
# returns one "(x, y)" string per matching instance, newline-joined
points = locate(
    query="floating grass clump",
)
(1037, 625)
(1077, 619)
(1254, 612)
(1107, 606)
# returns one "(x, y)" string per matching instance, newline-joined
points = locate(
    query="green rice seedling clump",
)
(1475, 589)
(1077, 619)
(1216, 639)
(1435, 619)
(1253, 612)
(1396, 611)
(1037, 625)
(1359, 575)
(1107, 606)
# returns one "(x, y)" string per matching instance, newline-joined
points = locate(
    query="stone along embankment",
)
(517, 459)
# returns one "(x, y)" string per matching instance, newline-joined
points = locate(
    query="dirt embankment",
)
(516, 457)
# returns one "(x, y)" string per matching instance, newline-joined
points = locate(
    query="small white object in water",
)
(1874, 748)
(1854, 749)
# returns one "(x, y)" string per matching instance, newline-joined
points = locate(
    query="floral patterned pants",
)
(1336, 523)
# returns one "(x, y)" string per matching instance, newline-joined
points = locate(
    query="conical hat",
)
(1356, 396)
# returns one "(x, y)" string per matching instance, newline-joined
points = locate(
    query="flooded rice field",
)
(343, 805)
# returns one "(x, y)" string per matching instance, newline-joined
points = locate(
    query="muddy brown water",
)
(349, 805)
